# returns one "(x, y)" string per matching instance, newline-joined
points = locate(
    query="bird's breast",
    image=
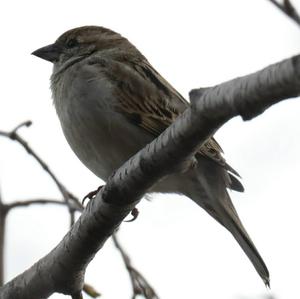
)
(101, 137)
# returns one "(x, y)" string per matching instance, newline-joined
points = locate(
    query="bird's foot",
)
(91, 195)
(134, 213)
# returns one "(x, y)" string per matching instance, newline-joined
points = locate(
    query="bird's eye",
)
(72, 43)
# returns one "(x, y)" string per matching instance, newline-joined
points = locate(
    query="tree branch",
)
(63, 269)
(288, 8)
(5, 208)
(71, 200)
(139, 284)
(29, 202)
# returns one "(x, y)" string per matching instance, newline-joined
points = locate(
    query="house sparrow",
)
(111, 102)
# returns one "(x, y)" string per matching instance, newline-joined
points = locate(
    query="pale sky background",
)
(181, 250)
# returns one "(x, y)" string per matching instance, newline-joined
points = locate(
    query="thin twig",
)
(139, 284)
(26, 123)
(24, 203)
(288, 8)
(67, 195)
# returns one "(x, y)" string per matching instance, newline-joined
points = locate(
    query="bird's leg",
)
(92, 194)
(134, 213)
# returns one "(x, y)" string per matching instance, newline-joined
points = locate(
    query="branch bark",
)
(63, 269)
(288, 8)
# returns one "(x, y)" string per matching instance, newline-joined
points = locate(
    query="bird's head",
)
(80, 42)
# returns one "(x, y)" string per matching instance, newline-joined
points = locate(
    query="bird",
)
(111, 102)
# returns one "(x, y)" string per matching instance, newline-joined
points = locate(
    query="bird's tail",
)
(211, 194)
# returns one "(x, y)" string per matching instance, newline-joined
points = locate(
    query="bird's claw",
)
(134, 213)
(91, 195)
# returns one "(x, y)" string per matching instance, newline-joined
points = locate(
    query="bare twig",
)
(38, 201)
(139, 284)
(288, 8)
(26, 123)
(67, 195)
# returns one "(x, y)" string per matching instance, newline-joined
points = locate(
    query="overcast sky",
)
(181, 250)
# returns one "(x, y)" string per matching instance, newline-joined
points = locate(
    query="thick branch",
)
(62, 270)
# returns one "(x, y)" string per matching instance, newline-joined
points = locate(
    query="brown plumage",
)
(111, 102)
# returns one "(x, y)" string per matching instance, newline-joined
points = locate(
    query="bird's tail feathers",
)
(211, 194)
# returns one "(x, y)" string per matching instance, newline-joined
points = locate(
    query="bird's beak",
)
(50, 52)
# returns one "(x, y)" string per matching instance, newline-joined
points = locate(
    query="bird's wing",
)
(175, 102)
(151, 103)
